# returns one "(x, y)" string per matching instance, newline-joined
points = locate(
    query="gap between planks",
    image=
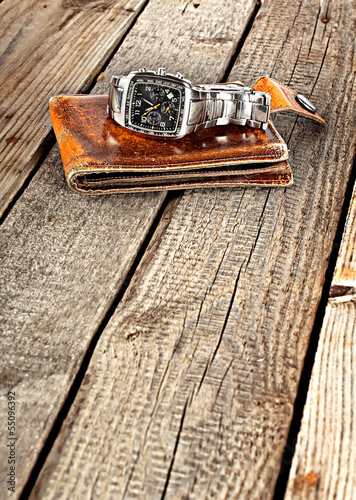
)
(78, 380)
(36, 64)
(323, 465)
(49, 140)
(304, 384)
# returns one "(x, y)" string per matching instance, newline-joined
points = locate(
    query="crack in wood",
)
(315, 26)
(296, 61)
(170, 468)
(321, 65)
(227, 315)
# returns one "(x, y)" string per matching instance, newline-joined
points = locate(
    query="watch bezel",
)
(158, 80)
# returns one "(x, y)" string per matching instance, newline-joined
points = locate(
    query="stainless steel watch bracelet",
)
(231, 103)
(196, 107)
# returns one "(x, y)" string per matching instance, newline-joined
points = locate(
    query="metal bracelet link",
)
(230, 103)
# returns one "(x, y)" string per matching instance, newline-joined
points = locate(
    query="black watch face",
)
(155, 107)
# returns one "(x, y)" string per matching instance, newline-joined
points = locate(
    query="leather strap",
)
(284, 98)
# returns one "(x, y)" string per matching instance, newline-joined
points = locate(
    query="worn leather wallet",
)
(99, 156)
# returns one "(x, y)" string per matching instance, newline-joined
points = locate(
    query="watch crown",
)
(161, 71)
(179, 75)
(142, 70)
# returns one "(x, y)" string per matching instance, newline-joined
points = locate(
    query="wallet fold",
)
(99, 156)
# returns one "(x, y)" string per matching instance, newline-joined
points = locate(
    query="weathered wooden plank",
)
(64, 256)
(191, 389)
(345, 270)
(48, 48)
(198, 37)
(324, 463)
(63, 259)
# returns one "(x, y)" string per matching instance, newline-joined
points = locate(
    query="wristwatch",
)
(164, 105)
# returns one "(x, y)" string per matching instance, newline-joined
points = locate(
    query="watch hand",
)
(167, 108)
(150, 109)
(148, 102)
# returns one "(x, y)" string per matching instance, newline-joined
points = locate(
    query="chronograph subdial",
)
(157, 94)
(153, 118)
(168, 107)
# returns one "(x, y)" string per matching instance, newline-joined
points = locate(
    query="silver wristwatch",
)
(164, 105)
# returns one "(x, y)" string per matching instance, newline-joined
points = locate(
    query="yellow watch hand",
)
(166, 110)
(150, 109)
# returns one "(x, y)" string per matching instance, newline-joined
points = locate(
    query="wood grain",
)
(196, 38)
(64, 257)
(48, 48)
(345, 270)
(191, 389)
(324, 463)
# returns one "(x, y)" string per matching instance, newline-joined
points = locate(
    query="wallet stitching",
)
(235, 159)
(288, 178)
(160, 174)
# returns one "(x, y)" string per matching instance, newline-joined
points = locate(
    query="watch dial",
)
(155, 107)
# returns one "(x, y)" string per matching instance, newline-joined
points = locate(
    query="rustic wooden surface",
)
(191, 388)
(48, 48)
(344, 279)
(64, 257)
(324, 465)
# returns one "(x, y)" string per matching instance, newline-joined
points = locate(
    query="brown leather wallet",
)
(99, 156)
